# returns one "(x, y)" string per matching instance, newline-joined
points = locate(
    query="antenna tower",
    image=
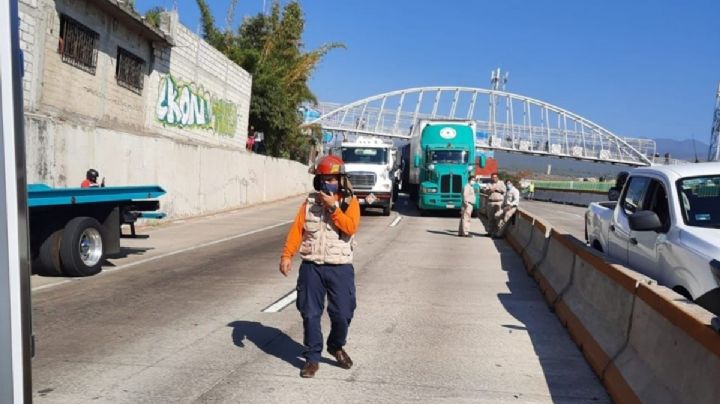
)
(714, 154)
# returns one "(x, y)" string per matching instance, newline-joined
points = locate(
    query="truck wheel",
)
(81, 250)
(387, 209)
(48, 260)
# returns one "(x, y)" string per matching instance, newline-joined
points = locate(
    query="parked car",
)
(666, 224)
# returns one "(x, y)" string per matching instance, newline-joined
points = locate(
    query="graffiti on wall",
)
(190, 106)
(225, 114)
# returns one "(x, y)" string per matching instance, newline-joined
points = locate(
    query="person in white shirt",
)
(510, 205)
(467, 208)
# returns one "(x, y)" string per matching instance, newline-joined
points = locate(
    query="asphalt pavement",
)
(566, 217)
(179, 319)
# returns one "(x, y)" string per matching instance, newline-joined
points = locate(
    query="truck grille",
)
(362, 180)
(451, 183)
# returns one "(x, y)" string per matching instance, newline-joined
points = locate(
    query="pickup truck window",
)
(632, 201)
(700, 200)
(657, 201)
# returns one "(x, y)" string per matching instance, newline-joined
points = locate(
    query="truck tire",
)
(47, 262)
(387, 209)
(81, 250)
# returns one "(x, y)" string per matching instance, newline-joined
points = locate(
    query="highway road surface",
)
(180, 319)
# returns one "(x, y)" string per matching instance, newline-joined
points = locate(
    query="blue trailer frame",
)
(72, 230)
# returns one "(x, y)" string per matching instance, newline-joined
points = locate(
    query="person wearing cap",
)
(510, 205)
(496, 195)
(90, 180)
(324, 234)
(467, 208)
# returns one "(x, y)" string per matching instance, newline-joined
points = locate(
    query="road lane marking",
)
(282, 303)
(396, 221)
(170, 254)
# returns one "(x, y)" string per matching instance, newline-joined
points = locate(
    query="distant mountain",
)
(682, 149)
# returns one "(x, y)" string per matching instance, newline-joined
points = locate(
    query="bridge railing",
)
(504, 121)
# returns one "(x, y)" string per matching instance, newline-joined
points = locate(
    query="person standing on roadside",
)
(496, 195)
(510, 205)
(531, 191)
(324, 234)
(467, 208)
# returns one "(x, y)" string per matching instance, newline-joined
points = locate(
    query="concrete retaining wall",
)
(198, 178)
(644, 341)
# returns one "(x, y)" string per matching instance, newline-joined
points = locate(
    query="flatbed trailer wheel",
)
(81, 250)
(48, 260)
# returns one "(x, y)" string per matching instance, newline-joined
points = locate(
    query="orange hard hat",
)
(330, 165)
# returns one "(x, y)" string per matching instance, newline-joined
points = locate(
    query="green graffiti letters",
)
(190, 106)
(225, 117)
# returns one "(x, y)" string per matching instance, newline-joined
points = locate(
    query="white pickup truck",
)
(666, 224)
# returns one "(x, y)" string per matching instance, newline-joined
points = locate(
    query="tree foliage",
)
(269, 47)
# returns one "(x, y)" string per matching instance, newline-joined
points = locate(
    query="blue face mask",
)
(329, 188)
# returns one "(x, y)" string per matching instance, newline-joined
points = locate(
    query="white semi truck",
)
(373, 168)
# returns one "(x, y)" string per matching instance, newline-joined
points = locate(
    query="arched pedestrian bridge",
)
(505, 121)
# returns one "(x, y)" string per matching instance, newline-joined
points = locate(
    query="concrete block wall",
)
(29, 37)
(195, 63)
(72, 91)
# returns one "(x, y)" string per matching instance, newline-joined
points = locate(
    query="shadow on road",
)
(569, 379)
(270, 340)
(128, 251)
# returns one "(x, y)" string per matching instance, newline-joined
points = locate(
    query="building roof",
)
(126, 15)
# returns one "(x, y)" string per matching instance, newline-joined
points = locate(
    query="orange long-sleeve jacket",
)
(347, 222)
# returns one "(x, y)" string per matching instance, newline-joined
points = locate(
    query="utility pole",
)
(497, 83)
(714, 153)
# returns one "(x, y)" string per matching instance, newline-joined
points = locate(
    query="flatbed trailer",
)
(72, 230)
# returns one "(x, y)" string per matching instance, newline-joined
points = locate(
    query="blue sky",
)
(640, 68)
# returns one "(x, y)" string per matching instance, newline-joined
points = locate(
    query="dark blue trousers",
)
(314, 283)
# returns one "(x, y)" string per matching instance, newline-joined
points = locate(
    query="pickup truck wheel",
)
(387, 209)
(81, 250)
(48, 260)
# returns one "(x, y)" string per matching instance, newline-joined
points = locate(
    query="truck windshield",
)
(448, 156)
(700, 200)
(365, 155)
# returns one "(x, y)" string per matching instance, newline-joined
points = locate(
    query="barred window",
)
(77, 44)
(129, 71)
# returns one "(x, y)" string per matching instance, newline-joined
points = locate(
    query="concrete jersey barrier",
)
(645, 342)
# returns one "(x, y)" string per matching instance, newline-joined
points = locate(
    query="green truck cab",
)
(442, 157)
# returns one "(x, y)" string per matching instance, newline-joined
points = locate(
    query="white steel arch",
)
(505, 121)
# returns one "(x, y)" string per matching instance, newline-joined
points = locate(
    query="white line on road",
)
(170, 254)
(282, 303)
(396, 221)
